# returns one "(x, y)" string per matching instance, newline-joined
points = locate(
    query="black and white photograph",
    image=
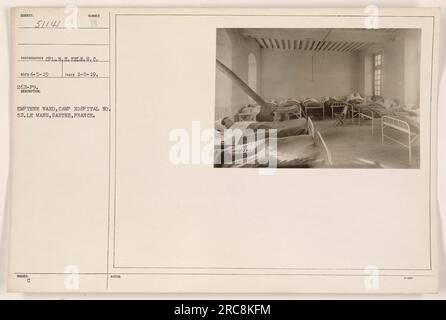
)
(156, 152)
(317, 98)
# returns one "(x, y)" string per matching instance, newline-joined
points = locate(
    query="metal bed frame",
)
(327, 152)
(316, 135)
(248, 116)
(310, 124)
(340, 104)
(297, 114)
(356, 112)
(320, 106)
(401, 126)
(363, 114)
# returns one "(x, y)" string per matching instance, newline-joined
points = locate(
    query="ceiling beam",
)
(355, 47)
(332, 45)
(362, 45)
(326, 45)
(346, 35)
(283, 44)
(336, 46)
(259, 43)
(272, 44)
(348, 47)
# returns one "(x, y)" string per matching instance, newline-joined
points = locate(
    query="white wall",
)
(401, 67)
(223, 85)
(288, 74)
(412, 54)
(233, 50)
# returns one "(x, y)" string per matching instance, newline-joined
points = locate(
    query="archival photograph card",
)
(223, 150)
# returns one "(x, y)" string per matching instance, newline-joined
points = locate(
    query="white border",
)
(4, 130)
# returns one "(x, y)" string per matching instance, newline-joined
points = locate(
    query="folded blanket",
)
(309, 101)
(288, 103)
(287, 109)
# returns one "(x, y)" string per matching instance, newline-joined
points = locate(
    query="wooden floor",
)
(354, 144)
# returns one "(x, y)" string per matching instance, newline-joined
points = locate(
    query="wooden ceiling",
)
(338, 40)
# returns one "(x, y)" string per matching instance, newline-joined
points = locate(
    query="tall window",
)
(377, 74)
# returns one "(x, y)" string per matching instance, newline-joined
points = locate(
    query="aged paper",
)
(123, 179)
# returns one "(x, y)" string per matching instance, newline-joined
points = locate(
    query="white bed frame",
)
(316, 135)
(363, 114)
(327, 152)
(339, 104)
(401, 126)
(310, 124)
(297, 114)
(320, 106)
(248, 116)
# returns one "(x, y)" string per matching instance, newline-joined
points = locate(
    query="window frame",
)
(377, 67)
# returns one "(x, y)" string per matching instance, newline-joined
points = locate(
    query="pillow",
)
(250, 109)
(296, 101)
(387, 103)
(324, 99)
(351, 96)
(219, 126)
(358, 96)
(310, 100)
(288, 103)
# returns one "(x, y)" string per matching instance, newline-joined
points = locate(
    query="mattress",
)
(292, 152)
(378, 111)
(294, 127)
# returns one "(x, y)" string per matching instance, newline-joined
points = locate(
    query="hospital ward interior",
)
(330, 98)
